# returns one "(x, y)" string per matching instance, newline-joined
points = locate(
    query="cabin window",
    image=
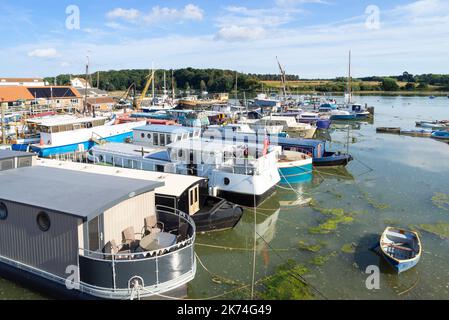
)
(3, 211)
(180, 153)
(162, 140)
(43, 221)
(94, 234)
(142, 135)
(191, 135)
(159, 168)
(6, 164)
(227, 181)
(149, 136)
(101, 158)
(168, 139)
(24, 162)
(156, 139)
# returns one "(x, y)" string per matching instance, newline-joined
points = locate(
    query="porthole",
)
(43, 221)
(180, 153)
(101, 158)
(227, 181)
(142, 135)
(3, 211)
(148, 136)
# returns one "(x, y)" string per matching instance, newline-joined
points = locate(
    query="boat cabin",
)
(15, 159)
(162, 135)
(66, 123)
(96, 228)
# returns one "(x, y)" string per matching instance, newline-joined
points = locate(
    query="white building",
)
(35, 82)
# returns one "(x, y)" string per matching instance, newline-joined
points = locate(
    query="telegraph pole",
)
(3, 121)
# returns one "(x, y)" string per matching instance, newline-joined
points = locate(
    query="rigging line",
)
(296, 276)
(233, 248)
(254, 247)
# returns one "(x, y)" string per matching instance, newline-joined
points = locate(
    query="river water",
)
(391, 182)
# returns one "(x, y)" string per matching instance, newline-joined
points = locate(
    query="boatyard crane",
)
(124, 99)
(150, 79)
(283, 78)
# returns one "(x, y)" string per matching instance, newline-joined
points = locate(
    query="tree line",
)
(218, 80)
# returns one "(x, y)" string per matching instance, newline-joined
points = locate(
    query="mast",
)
(152, 84)
(85, 86)
(172, 85)
(349, 79)
(3, 121)
(98, 79)
(236, 87)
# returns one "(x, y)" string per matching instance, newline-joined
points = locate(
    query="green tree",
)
(389, 84)
(410, 86)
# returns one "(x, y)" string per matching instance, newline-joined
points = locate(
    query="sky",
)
(311, 38)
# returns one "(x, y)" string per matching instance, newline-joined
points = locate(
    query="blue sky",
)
(311, 37)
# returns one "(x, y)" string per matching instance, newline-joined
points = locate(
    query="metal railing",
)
(155, 260)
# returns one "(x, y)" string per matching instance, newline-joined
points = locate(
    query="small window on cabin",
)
(3, 211)
(101, 158)
(43, 221)
(24, 162)
(149, 136)
(6, 164)
(191, 135)
(180, 153)
(227, 181)
(169, 139)
(159, 168)
(162, 140)
(156, 139)
(142, 135)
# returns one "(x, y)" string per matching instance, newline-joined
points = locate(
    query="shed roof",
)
(9, 154)
(174, 184)
(81, 194)
(167, 129)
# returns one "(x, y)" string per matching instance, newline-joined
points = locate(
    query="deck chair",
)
(111, 248)
(152, 225)
(129, 239)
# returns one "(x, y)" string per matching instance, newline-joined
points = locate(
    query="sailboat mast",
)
(350, 79)
(85, 86)
(172, 85)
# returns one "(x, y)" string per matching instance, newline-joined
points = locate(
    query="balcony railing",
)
(115, 275)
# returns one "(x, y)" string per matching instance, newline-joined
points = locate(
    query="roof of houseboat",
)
(9, 154)
(81, 194)
(166, 129)
(213, 145)
(174, 184)
(58, 121)
(125, 149)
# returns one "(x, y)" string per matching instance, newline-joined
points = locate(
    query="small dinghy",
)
(417, 133)
(401, 248)
(396, 130)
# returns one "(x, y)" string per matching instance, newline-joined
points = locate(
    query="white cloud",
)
(158, 14)
(44, 53)
(292, 3)
(240, 33)
(126, 14)
(422, 8)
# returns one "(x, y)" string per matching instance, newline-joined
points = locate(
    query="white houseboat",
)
(67, 135)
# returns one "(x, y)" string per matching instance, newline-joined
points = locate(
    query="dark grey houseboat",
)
(15, 159)
(85, 235)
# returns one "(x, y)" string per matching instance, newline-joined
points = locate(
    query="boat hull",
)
(247, 200)
(332, 160)
(45, 152)
(400, 267)
(441, 135)
(295, 172)
(226, 217)
(344, 117)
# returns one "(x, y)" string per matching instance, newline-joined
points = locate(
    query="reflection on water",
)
(391, 181)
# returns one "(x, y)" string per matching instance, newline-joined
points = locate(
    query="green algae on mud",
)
(310, 247)
(441, 200)
(286, 284)
(440, 229)
(349, 247)
(321, 260)
(373, 203)
(331, 225)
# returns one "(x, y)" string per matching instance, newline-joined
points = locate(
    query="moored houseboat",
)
(188, 194)
(96, 236)
(61, 136)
